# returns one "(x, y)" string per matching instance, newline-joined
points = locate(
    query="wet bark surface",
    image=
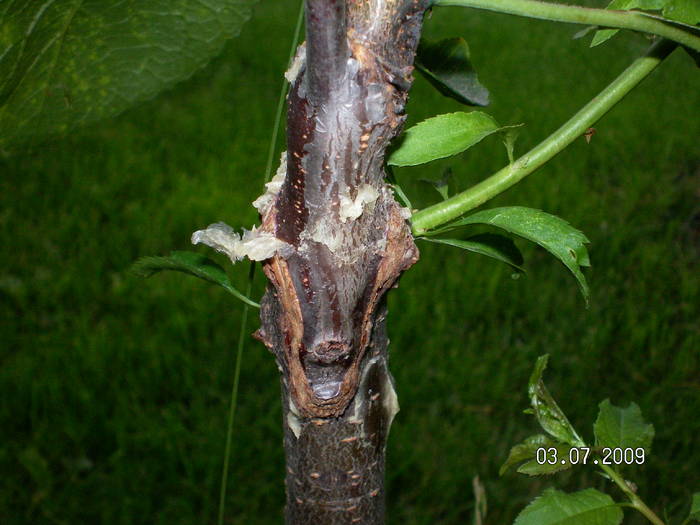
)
(347, 243)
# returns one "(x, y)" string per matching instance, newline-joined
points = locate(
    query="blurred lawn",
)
(114, 390)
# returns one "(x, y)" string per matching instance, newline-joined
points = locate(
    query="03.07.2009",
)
(582, 456)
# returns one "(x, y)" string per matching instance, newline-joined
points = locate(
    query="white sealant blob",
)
(272, 188)
(293, 418)
(254, 244)
(353, 208)
(298, 62)
(323, 234)
(294, 423)
(391, 400)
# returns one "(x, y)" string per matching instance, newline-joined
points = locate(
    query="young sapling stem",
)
(572, 14)
(635, 500)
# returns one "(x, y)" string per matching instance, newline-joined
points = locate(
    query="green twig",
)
(251, 276)
(247, 300)
(635, 500)
(404, 198)
(633, 20)
(280, 100)
(443, 212)
(234, 397)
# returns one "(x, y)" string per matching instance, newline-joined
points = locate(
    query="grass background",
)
(114, 390)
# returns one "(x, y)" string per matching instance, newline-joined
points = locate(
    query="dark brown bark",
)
(335, 466)
(348, 244)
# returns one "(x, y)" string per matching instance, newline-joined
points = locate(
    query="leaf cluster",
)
(614, 428)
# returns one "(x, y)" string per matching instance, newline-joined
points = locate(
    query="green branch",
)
(633, 20)
(636, 501)
(443, 212)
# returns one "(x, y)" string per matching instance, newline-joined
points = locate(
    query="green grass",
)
(114, 390)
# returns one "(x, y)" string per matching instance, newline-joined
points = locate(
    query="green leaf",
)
(447, 66)
(550, 417)
(533, 468)
(681, 13)
(495, 246)
(695, 507)
(443, 190)
(586, 507)
(603, 35)
(510, 135)
(442, 185)
(624, 5)
(555, 235)
(686, 11)
(622, 427)
(651, 5)
(191, 263)
(694, 55)
(525, 451)
(606, 34)
(584, 32)
(442, 136)
(65, 63)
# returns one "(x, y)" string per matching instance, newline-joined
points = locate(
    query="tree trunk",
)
(347, 242)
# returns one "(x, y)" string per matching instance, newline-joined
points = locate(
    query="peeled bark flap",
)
(350, 242)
